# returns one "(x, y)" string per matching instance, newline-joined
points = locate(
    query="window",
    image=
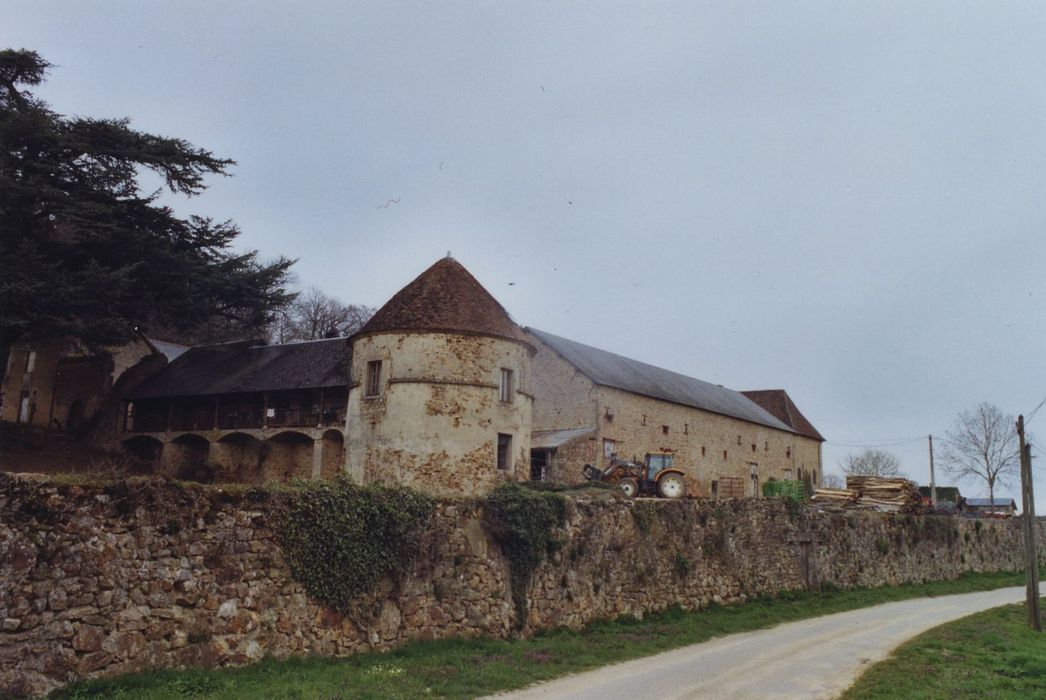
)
(657, 462)
(504, 451)
(702, 450)
(506, 385)
(373, 378)
(664, 430)
(724, 454)
(753, 447)
(715, 489)
(30, 361)
(754, 470)
(686, 429)
(788, 452)
(609, 447)
(23, 406)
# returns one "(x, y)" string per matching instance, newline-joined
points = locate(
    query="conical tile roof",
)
(445, 297)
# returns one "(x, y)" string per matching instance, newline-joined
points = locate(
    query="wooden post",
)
(1031, 561)
(933, 482)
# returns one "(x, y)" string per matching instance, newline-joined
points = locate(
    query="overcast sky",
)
(845, 200)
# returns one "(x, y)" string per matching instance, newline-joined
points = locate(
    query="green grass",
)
(993, 654)
(466, 668)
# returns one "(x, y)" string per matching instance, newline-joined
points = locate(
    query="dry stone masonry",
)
(107, 579)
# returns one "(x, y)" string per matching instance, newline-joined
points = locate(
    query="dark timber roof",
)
(249, 366)
(780, 405)
(445, 297)
(630, 375)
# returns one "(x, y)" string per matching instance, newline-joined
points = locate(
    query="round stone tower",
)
(438, 393)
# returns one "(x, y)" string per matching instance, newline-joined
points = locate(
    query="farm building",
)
(443, 391)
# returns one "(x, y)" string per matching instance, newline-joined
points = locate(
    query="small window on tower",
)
(506, 385)
(373, 387)
(504, 451)
(664, 430)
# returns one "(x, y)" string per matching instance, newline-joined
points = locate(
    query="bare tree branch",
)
(314, 315)
(871, 463)
(982, 445)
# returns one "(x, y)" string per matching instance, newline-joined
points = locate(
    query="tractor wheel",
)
(671, 486)
(629, 487)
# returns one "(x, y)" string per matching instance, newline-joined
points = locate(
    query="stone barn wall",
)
(435, 422)
(101, 580)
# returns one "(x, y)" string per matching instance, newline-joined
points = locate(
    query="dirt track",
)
(815, 658)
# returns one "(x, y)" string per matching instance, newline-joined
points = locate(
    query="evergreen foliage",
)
(85, 254)
(340, 539)
(523, 522)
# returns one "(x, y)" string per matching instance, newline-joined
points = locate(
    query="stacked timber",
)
(888, 494)
(835, 497)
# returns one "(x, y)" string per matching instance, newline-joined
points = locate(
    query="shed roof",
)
(551, 439)
(445, 297)
(990, 503)
(780, 405)
(249, 366)
(619, 372)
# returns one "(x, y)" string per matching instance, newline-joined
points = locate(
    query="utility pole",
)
(933, 482)
(1031, 560)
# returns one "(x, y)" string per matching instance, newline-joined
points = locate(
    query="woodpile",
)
(839, 497)
(886, 494)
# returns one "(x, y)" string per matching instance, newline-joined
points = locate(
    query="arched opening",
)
(287, 456)
(237, 457)
(333, 454)
(145, 451)
(186, 457)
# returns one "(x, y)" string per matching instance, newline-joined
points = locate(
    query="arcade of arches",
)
(242, 456)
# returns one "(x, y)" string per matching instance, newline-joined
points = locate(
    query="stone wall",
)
(101, 580)
(706, 445)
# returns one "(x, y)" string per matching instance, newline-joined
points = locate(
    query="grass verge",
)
(457, 668)
(992, 654)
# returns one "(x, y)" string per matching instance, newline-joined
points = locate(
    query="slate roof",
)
(551, 439)
(780, 405)
(987, 502)
(445, 297)
(619, 372)
(249, 366)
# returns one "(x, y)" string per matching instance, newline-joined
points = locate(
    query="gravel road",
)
(815, 658)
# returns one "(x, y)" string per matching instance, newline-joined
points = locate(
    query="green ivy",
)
(523, 522)
(340, 539)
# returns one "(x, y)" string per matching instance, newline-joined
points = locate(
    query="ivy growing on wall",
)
(339, 539)
(523, 522)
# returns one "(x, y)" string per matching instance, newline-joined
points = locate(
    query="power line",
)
(1034, 411)
(877, 443)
